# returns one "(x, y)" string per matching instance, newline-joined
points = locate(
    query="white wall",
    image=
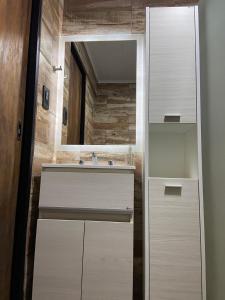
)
(212, 32)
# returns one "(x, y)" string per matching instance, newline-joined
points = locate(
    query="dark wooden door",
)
(74, 105)
(14, 40)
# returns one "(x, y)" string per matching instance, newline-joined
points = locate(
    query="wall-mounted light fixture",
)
(56, 69)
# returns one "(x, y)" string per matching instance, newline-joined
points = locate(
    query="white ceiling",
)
(113, 61)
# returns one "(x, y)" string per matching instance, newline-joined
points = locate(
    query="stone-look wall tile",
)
(46, 45)
(43, 154)
(47, 78)
(138, 20)
(45, 128)
(115, 114)
(89, 111)
(98, 22)
(96, 4)
(100, 16)
(64, 135)
(52, 11)
(103, 157)
(67, 157)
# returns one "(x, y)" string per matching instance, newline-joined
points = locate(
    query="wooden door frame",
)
(27, 152)
(80, 65)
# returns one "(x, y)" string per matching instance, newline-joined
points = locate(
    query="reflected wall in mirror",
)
(99, 96)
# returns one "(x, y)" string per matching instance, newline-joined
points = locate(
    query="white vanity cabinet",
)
(174, 210)
(84, 243)
(172, 94)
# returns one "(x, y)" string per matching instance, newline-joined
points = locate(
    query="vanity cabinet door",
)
(58, 260)
(175, 256)
(108, 261)
(172, 65)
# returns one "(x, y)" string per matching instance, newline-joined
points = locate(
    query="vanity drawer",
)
(87, 189)
(175, 256)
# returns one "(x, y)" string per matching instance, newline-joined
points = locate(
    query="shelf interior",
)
(173, 151)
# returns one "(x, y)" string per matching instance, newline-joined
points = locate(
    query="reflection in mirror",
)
(99, 97)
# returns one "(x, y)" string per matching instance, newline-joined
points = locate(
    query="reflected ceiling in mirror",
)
(99, 96)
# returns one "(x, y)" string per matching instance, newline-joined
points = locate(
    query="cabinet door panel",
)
(108, 261)
(58, 260)
(175, 256)
(172, 65)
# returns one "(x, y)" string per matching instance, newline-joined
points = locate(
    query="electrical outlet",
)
(46, 98)
(65, 116)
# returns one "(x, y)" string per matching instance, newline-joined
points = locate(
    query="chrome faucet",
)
(94, 158)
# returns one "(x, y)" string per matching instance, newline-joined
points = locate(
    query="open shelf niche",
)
(173, 151)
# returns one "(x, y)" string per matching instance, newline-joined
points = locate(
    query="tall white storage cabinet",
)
(174, 219)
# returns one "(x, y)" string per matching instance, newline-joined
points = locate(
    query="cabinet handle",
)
(172, 118)
(173, 190)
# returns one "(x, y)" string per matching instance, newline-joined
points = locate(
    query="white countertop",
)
(89, 166)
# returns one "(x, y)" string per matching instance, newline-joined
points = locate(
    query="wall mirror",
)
(100, 86)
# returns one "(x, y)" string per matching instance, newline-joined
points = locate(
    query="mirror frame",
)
(140, 92)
